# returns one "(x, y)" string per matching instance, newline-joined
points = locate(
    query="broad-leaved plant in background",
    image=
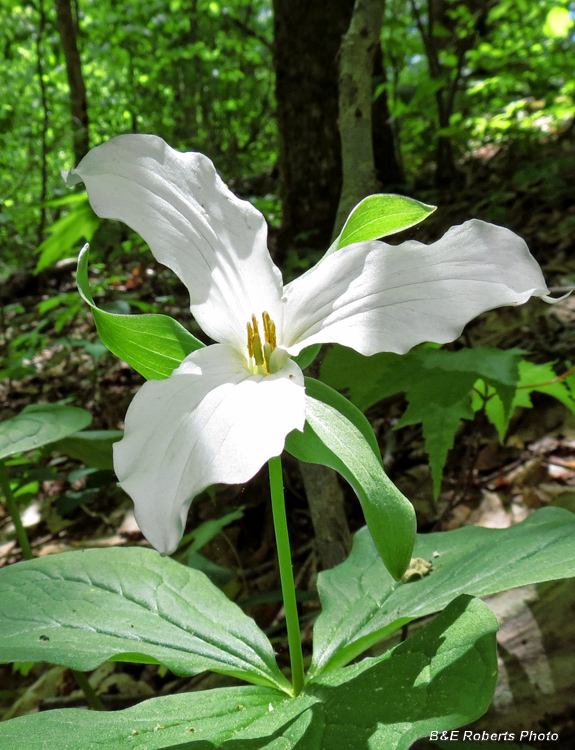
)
(217, 414)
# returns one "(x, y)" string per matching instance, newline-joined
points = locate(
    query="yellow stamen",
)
(250, 340)
(261, 354)
(273, 340)
(267, 321)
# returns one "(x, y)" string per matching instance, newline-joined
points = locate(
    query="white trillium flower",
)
(228, 407)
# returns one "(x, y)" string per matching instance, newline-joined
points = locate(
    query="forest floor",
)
(64, 507)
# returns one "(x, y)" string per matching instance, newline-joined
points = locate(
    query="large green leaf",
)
(154, 345)
(380, 215)
(38, 425)
(337, 435)
(437, 383)
(189, 719)
(362, 603)
(81, 608)
(443, 676)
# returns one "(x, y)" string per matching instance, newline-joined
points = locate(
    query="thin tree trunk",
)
(446, 173)
(45, 121)
(78, 100)
(445, 169)
(357, 57)
(307, 39)
(326, 503)
(389, 170)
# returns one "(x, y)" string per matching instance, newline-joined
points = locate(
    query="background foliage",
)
(481, 74)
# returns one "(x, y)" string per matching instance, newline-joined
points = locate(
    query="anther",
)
(273, 340)
(250, 340)
(266, 319)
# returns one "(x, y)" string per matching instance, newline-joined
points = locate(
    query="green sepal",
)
(154, 345)
(338, 435)
(379, 216)
(307, 355)
(438, 384)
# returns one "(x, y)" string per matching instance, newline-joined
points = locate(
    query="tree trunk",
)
(327, 507)
(446, 173)
(459, 41)
(445, 169)
(307, 38)
(389, 171)
(358, 52)
(78, 101)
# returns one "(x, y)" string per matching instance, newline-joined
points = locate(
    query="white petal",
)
(215, 242)
(374, 297)
(210, 422)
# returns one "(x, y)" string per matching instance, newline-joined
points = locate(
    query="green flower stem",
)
(14, 513)
(286, 572)
(92, 698)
